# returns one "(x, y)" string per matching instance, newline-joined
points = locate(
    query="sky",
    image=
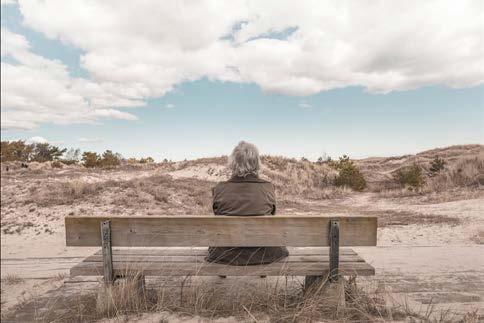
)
(189, 79)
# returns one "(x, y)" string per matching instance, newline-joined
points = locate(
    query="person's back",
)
(245, 194)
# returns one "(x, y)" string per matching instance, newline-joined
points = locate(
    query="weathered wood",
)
(203, 251)
(185, 231)
(198, 258)
(211, 269)
(334, 250)
(107, 252)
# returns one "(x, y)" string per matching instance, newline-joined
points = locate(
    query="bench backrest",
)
(197, 231)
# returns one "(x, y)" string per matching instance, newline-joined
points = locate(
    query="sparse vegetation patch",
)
(349, 174)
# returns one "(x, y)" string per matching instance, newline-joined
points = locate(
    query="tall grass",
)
(254, 300)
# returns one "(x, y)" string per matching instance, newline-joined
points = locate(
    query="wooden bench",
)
(296, 232)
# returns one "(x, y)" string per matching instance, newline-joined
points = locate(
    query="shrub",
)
(38, 152)
(15, 151)
(147, 160)
(90, 159)
(411, 176)
(437, 165)
(72, 156)
(349, 174)
(109, 159)
(43, 152)
(56, 164)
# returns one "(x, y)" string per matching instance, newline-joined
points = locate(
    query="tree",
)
(15, 151)
(43, 152)
(72, 156)
(90, 159)
(110, 159)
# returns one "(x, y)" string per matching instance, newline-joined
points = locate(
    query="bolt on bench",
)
(296, 232)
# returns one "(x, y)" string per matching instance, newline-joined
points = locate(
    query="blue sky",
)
(207, 113)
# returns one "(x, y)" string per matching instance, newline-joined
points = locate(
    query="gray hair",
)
(244, 160)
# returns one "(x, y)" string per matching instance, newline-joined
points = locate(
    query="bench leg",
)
(334, 250)
(107, 252)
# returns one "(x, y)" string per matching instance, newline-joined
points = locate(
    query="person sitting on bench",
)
(244, 194)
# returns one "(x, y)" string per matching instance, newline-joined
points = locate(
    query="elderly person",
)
(244, 194)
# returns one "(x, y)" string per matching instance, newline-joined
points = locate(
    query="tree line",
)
(44, 152)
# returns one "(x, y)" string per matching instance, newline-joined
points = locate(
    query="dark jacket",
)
(247, 196)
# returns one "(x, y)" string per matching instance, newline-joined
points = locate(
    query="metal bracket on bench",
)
(333, 250)
(107, 252)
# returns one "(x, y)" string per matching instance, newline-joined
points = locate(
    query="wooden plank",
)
(107, 253)
(196, 258)
(334, 250)
(185, 231)
(324, 251)
(210, 269)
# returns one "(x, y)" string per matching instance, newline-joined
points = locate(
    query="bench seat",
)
(307, 261)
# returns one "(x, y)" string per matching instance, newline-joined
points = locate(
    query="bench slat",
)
(203, 251)
(164, 259)
(210, 269)
(185, 231)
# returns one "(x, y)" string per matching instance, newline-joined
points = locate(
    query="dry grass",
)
(268, 301)
(12, 279)
(62, 193)
(459, 180)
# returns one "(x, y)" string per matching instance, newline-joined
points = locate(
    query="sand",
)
(415, 238)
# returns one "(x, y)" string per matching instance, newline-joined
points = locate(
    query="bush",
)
(56, 164)
(15, 151)
(410, 176)
(72, 156)
(437, 165)
(38, 152)
(90, 159)
(147, 160)
(43, 152)
(349, 174)
(109, 159)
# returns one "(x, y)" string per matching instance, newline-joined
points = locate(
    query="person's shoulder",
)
(219, 186)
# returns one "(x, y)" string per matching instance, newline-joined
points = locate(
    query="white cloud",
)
(111, 113)
(37, 139)
(304, 105)
(170, 106)
(38, 90)
(89, 140)
(134, 52)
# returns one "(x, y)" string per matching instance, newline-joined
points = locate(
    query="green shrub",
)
(38, 152)
(43, 152)
(437, 165)
(410, 176)
(56, 164)
(90, 159)
(349, 174)
(147, 160)
(15, 151)
(110, 159)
